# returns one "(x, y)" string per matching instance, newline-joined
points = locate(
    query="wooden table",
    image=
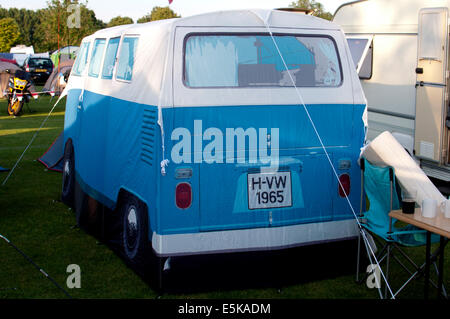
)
(437, 225)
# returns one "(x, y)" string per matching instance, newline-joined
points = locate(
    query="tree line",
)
(40, 28)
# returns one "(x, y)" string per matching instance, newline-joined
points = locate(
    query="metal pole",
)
(441, 267)
(427, 265)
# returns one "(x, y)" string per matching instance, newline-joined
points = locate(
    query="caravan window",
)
(126, 58)
(362, 54)
(110, 58)
(81, 60)
(253, 61)
(96, 58)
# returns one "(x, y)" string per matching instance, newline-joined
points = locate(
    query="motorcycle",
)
(18, 92)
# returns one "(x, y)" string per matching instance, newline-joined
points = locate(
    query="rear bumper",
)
(269, 238)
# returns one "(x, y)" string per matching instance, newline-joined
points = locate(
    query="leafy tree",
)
(9, 33)
(159, 13)
(317, 8)
(56, 16)
(27, 21)
(119, 21)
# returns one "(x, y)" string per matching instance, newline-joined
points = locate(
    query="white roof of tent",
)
(232, 18)
(151, 86)
(157, 36)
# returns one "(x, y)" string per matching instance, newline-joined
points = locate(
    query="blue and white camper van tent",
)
(215, 133)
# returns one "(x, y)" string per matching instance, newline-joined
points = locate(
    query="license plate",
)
(41, 70)
(269, 190)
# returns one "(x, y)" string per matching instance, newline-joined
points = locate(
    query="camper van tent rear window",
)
(110, 58)
(82, 59)
(253, 60)
(96, 59)
(126, 58)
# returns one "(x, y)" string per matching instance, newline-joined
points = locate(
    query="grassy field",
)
(34, 219)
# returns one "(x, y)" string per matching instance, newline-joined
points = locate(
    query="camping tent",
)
(52, 158)
(64, 54)
(4, 76)
(57, 80)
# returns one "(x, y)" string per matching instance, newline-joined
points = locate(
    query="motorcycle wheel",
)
(15, 107)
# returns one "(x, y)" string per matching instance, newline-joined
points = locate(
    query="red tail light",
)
(344, 190)
(27, 68)
(183, 195)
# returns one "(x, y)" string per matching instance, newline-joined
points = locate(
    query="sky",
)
(107, 9)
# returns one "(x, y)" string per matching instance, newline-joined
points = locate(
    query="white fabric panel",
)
(155, 54)
(253, 239)
(386, 151)
(148, 69)
(256, 17)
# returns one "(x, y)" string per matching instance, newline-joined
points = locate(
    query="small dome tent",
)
(6, 70)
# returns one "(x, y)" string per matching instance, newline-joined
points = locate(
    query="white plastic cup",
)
(445, 208)
(429, 208)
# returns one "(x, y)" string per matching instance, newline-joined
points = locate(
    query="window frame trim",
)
(88, 60)
(101, 61)
(309, 35)
(119, 49)
(116, 61)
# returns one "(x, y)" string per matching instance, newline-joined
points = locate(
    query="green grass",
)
(34, 219)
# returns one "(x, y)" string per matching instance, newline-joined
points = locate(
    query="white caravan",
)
(400, 49)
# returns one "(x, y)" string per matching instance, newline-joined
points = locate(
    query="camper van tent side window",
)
(252, 60)
(96, 59)
(81, 60)
(126, 58)
(110, 58)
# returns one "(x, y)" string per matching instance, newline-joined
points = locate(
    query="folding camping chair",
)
(379, 185)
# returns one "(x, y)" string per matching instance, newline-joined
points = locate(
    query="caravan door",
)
(431, 88)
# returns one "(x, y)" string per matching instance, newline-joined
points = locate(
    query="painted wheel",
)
(68, 175)
(14, 107)
(131, 231)
(135, 241)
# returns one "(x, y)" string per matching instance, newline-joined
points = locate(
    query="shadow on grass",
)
(220, 273)
(256, 270)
